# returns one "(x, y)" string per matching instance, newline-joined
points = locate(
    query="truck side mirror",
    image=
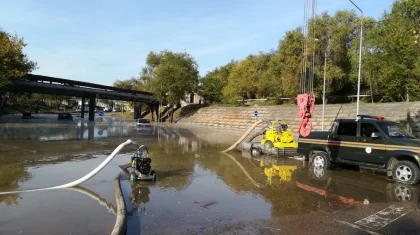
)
(376, 135)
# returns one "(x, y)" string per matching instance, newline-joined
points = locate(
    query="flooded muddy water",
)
(197, 187)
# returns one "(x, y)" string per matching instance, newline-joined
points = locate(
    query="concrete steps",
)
(242, 117)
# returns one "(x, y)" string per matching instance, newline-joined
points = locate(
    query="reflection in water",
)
(11, 174)
(173, 165)
(299, 188)
(285, 200)
(94, 196)
(332, 190)
(67, 131)
(244, 170)
(139, 196)
(17, 155)
(284, 173)
(192, 175)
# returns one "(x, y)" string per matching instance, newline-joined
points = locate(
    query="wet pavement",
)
(198, 190)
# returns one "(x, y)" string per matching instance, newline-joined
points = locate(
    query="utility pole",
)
(323, 91)
(360, 57)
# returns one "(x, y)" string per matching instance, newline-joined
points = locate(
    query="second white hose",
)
(243, 137)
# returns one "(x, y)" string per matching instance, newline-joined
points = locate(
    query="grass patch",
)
(259, 103)
(225, 105)
(126, 115)
(186, 111)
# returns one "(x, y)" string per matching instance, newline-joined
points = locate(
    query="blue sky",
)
(101, 41)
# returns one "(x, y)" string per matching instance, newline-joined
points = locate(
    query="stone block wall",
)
(243, 117)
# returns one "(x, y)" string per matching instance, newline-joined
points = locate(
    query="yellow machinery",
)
(278, 136)
(283, 172)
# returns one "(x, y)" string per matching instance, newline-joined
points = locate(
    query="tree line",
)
(390, 64)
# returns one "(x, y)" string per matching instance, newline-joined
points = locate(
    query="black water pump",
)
(140, 164)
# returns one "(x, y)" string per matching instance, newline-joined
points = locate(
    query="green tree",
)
(170, 76)
(334, 35)
(250, 79)
(214, 82)
(287, 62)
(14, 63)
(393, 52)
(268, 83)
(153, 60)
(243, 81)
(131, 84)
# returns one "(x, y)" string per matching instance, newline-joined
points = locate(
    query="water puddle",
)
(196, 185)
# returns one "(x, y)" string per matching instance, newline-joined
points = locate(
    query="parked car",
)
(370, 142)
(98, 109)
(143, 123)
(65, 116)
(79, 109)
(116, 109)
(107, 109)
(27, 116)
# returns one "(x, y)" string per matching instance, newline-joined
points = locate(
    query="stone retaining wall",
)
(243, 117)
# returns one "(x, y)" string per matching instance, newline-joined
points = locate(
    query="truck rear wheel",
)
(406, 172)
(320, 159)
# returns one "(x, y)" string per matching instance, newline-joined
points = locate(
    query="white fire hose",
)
(81, 180)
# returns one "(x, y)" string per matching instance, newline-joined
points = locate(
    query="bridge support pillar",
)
(81, 130)
(92, 104)
(91, 132)
(158, 117)
(82, 113)
(137, 110)
(152, 111)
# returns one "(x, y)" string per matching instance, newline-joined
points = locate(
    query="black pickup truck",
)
(367, 141)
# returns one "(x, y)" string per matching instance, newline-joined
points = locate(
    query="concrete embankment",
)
(243, 117)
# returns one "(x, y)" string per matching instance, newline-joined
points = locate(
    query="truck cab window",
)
(367, 129)
(347, 129)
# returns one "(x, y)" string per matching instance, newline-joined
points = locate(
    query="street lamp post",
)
(323, 92)
(360, 57)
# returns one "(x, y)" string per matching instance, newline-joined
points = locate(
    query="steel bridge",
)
(58, 86)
